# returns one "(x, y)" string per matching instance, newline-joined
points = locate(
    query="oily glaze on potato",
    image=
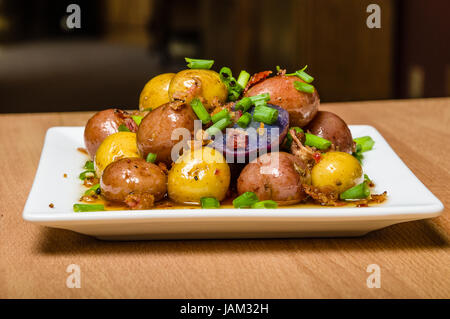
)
(302, 107)
(210, 86)
(155, 92)
(113, 148)
(133, 181)
(199, 173)
(271, 180)
(155, 131)
(331, 127)
(337, 171)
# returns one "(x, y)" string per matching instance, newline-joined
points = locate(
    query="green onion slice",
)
(360, 191)
(151, 157)
(86, 174)
(302, 75)
(209, 202)
(304, 87)
(289, 138)
(245, 200)
(316, 141)
(89, 165)
(88, 207)
(200, 111)
(137, 119)
(265, 204)
(243, 104)
(244, 120)
(265, 114)
(199, 63)
(221, 115)
(225, 73)
(123, 128)
(218, 126)
(243, 78)
(264, 97)
(364, 143)
(93, 190)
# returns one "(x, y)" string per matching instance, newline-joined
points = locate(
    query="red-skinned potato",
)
(133, 181)
(331, 127)
(302, 107)
(155, 131)
(101, 125)
(281, 182)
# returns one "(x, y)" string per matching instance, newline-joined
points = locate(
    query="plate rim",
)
(400, 212)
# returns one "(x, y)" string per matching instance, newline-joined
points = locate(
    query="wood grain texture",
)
(414, 257)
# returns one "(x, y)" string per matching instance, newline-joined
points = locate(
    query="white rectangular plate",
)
(408, 199)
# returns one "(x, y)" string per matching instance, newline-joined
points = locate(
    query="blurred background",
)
(45, 66)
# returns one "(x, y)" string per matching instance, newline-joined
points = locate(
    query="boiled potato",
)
(155, 92)
(114, 147)
(199, 173)
(337, 170)
(211, 85)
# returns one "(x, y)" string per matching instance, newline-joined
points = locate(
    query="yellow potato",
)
(211, 85)
(199, 173)
(113, 148)
(155, 92)
(337, 170)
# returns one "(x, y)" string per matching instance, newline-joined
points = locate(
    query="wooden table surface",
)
(413, 257)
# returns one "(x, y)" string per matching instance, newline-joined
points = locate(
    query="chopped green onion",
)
(199, 63)
(137, 119)
(149, 109)
(89, 165)
(93, 190)
(359, 191)
(265, 204)
(243, 78)
(367, 179)
(233, 95)
(209, 202)
(304, 87)
(244, 120)
(265, 114)
(151, 157)
(265, 97)
(302, 75)
(225, 73)
(200, 111)
(88, 207)
(218, 126)
(123, 128)
(86, 174)
(245, 200)
(243, 104)
(278, 68)
(364, 143)
(221, 115)
(316, 141)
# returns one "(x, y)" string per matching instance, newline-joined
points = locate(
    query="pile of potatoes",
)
(126, 177)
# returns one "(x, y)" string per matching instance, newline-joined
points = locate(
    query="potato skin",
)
(212, 86)
(302, 107)
(283, 185)
(132, 176)
(331, 127)
(100, 126)
(155, 131)
(337, 171)
(156, 92)
(199, 173)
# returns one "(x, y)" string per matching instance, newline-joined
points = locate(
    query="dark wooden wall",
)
(349, 60)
